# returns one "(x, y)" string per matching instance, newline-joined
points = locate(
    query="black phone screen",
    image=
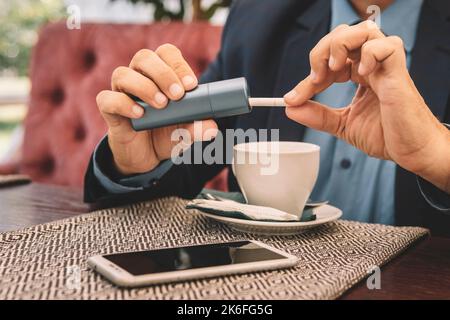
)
(184, 258)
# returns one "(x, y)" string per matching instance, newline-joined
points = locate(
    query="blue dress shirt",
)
(363, 187)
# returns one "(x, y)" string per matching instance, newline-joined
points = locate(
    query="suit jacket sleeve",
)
(185, 180)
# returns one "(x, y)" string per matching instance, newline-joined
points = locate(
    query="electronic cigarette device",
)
(208, 101)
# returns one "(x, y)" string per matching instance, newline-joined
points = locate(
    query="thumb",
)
(318, 116)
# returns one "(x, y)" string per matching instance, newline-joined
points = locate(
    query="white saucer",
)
(324, 214)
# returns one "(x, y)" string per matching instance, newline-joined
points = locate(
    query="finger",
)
(319, 117)
(355, 76)
(152, 66)
(345, 74)
(354, 55)
(116, 108)
(182, 136)
(172, 56)
(304, 91)
(321, 60)
(129, 81)
(346, 40)
(320, 54)
(388, 51)
(308, 88)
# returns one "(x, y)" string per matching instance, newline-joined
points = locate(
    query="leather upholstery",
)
(68, 69)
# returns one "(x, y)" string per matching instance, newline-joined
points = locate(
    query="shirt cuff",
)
(435, 197)
(115, 183)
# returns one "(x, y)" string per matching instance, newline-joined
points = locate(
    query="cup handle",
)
(232, 167)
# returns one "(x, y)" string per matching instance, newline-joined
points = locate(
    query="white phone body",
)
(123, 278)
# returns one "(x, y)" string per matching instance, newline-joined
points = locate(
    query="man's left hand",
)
(388, 118)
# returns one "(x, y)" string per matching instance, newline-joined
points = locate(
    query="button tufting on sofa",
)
(89, 60)
(48, 166)
(80, 133)
(57, 96)
(202, 63)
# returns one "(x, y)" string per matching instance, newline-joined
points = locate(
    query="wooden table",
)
(422, 272)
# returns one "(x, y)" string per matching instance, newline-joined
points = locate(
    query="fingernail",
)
(313, 75)
(188, 81)
(331, 62)
(361, 69)
(291, 95)
(176, 90)
(160, 99)
(137, 110)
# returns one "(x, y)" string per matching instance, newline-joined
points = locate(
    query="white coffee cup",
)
(277, 174)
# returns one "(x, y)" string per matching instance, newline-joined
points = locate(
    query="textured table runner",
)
(48, 261)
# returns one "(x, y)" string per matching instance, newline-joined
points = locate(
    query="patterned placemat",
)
(48, 261)
(13, 179)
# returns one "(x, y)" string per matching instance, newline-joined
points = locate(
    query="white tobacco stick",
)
(266, 102)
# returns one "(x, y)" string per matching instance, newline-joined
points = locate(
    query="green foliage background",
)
(20, 21)
(200, 13)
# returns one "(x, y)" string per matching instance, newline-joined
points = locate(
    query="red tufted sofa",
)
(68, 69)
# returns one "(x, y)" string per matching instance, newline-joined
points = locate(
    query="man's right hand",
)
(155, 77)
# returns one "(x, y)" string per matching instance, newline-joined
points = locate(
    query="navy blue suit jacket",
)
(268, 42)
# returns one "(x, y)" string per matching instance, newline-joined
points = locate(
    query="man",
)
(269, 42)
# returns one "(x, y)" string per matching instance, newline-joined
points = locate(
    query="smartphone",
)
(140, 268)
